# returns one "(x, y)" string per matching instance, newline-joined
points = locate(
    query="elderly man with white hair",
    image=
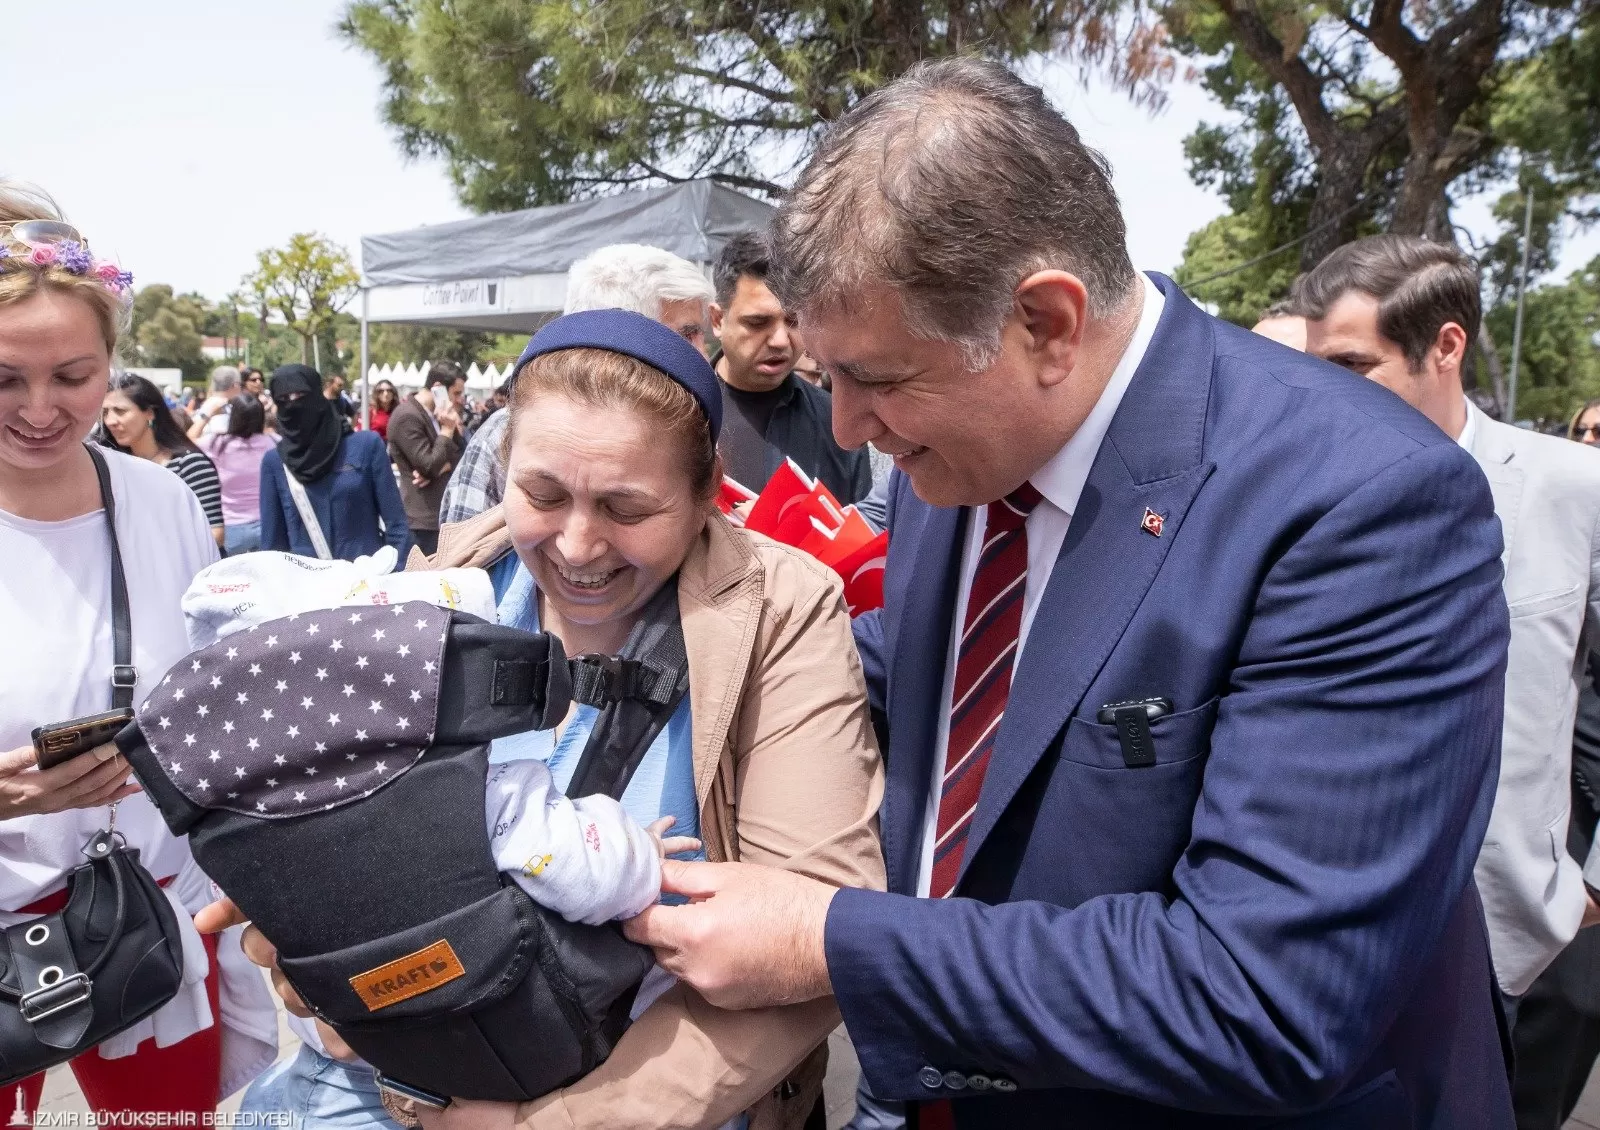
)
(623, 276)
(211, 418)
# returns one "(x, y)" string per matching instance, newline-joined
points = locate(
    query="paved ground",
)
(61, 1093)
(61, 1090)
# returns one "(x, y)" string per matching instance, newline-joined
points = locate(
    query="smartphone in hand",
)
(62, 741)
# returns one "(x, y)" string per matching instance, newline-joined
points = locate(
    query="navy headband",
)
(644, 339)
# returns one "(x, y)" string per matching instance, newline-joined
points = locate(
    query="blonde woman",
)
(61, 312)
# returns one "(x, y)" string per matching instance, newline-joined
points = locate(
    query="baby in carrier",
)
(585, 858)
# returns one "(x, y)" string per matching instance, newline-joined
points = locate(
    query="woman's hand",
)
(89, 780)
(469, 1114)
(670, 845)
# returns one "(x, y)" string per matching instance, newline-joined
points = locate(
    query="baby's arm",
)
(585, 859)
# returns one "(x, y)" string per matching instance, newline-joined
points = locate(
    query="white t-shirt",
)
(55, 611)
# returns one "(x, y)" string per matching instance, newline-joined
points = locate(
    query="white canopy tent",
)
(507, 273)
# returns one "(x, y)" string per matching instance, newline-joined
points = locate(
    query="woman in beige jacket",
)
(611, 475)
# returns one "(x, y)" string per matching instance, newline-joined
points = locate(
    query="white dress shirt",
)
(1060, 482)
(1469, 431)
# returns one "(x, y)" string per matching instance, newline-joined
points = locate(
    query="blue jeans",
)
(320, 1094)
(242, 538)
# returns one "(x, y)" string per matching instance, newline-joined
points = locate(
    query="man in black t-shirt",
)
(770, 413)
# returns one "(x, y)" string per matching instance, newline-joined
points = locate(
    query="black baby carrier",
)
(329, 770)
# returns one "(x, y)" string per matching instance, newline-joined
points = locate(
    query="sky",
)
(183, 136)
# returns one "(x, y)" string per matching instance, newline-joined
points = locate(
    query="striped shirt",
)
(200, 474)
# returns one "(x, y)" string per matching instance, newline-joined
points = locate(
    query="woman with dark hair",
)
(237, 454)
(136, 420)
(326, 491)
(384, 401)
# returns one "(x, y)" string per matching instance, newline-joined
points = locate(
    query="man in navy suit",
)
(1191, 658)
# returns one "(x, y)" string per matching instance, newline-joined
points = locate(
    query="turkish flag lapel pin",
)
(1152, 522)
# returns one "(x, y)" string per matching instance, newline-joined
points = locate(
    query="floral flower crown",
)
(74, 258)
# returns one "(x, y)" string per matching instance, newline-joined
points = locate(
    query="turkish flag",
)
(862, 571)
(730, 496)
(797, 510)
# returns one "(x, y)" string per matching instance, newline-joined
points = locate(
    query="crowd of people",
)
(1226, 751)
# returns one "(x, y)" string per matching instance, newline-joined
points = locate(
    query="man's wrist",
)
(816, 981)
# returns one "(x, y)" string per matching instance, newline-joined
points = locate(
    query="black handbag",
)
(113, 954)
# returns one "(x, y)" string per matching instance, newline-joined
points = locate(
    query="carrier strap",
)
(636, 693)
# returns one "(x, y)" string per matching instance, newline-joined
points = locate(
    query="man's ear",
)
(716, 318)
(1053, 307)
(1450, 348)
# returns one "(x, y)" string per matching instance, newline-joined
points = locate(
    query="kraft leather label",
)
(409, 976)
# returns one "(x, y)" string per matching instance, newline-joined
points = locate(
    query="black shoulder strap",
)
(636, 692)
(123, 674)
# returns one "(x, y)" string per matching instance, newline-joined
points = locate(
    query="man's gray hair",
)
(951, 185)
(633, 276)
(225, 380)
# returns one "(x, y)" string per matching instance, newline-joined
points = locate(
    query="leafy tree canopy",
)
(543, 101)
(306, 282)
(167, 329)
(401, 345)
(1560, 366)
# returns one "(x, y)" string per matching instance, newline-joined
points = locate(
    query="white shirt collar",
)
(1062, 479)
(1470, 432)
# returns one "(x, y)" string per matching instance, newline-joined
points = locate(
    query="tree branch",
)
(1266, 51)
(719, 78)
(733, 180)
(711, 117)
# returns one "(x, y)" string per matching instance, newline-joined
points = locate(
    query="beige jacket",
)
(788, 774)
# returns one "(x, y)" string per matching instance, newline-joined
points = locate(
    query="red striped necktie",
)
(983, 676)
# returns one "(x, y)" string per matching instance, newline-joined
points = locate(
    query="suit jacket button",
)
(955, 1080)
(979, 1082)
(931, 1078)
(1004, 1086)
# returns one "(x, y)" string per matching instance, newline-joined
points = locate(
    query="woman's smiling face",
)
(599, 504)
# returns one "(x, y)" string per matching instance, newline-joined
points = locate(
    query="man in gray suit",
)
(1404, 312)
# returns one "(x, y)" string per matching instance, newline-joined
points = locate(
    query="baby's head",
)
(240, 592)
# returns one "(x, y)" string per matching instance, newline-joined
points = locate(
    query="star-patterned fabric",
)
(301, 714)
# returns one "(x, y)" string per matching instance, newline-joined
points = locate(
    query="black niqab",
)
(310, 424)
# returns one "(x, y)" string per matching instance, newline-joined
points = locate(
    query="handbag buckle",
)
(58, 996)
(124, 676)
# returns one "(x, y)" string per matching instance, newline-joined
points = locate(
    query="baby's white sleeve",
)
(585, 859)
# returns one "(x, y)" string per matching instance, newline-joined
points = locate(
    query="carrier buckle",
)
(599, 680)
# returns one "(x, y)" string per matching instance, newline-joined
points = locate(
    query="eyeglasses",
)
(1587, 430)
(42, 233)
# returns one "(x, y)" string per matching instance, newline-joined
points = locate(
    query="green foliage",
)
(402, 345)
(1560, 367)
(1263, 175)
(1548, 113)
(1323, 146)
(1221, 248)
(306, 282)
(167, 329)
(542, 101)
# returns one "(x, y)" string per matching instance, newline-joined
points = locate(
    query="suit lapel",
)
(1108, 560)
(1495, 457)
(923, 569)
